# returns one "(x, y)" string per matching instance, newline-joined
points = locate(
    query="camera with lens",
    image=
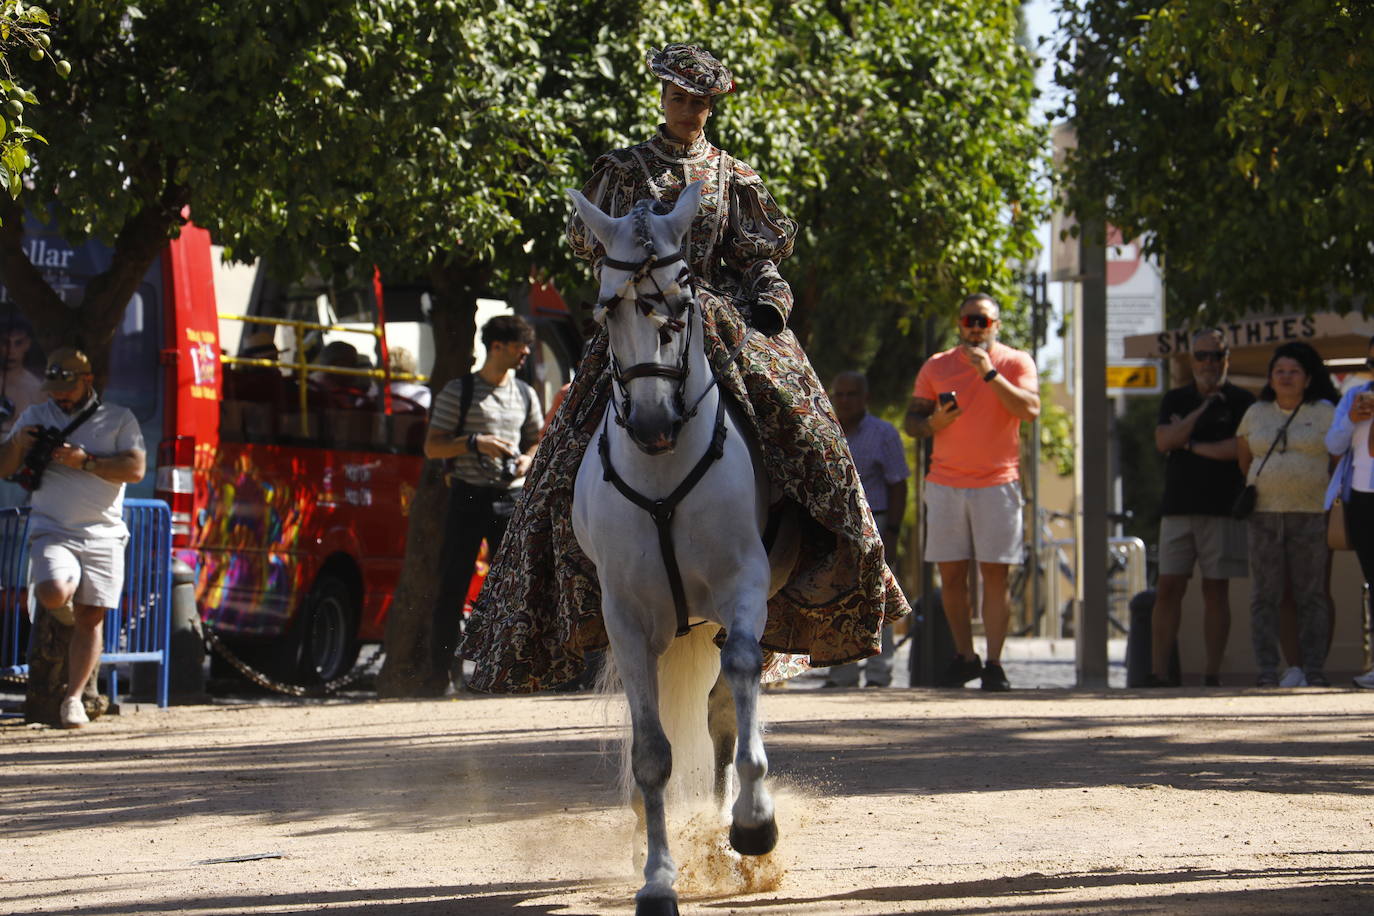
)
(503, 469)
(36, 461)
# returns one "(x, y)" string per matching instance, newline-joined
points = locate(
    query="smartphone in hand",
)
(947, 397)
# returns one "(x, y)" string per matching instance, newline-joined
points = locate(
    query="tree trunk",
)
(408, 669)
(47, 684)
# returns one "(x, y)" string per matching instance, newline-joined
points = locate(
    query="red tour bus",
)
(289, 475)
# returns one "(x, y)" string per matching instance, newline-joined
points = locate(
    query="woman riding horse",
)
(539, 611)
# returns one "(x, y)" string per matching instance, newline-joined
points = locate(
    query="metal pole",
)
(1092, 465)
(925, 655)
(1039, 304)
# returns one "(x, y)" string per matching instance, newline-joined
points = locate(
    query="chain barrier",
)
(268, 682)
(329, 688)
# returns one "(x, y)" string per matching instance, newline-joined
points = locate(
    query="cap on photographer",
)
(75, 453)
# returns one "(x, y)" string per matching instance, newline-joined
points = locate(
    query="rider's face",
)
(684, 113)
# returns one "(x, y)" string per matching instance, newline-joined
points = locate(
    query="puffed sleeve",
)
(612, 189)
(760, 236)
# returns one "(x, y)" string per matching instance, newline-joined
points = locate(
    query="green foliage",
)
(1239, 134)
(1056, 432)
(416, 133)
(22, 29)
(899, 136)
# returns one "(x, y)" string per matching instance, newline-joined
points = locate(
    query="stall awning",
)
(1252, 340)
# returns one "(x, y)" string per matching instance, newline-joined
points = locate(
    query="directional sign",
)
(1141, 379)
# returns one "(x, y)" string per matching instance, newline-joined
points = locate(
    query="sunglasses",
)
(1212, 356)
(57, 373)
(976, 321)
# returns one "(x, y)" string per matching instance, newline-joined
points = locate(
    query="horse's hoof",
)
(656, 906)
(754, 841)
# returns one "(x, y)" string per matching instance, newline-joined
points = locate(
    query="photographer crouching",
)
(75, 454)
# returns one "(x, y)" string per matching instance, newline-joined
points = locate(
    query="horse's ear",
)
(602, 226)
(684, 211)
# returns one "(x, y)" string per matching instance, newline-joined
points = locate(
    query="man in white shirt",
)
(76, 525)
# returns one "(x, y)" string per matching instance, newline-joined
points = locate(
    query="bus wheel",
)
(329, 647)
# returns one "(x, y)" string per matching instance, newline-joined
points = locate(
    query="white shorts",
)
(95, 564)
(973, 523)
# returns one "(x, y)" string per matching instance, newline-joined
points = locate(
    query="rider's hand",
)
(522, 464)
(944, 415)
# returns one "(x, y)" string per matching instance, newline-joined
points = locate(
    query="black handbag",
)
(1245, 502)
(1244, 505)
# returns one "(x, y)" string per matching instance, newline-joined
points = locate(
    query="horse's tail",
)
(686, 673)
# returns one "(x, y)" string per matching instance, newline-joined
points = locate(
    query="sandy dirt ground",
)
(895, 801)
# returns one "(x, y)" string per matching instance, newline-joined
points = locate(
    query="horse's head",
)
(647, 305)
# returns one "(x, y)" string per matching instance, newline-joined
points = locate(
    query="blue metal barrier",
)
(139, 630)
(14, 573)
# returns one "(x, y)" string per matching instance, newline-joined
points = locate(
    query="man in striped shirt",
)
(881, 461)
(485, 426)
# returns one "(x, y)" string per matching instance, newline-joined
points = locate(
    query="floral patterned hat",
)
(692, 68)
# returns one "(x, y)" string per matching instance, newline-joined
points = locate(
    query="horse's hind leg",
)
(720, 718)
(651, 760)
(753, 831)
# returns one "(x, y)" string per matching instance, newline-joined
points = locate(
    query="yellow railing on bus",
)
(302, 368)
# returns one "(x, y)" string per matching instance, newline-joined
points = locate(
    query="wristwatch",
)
(992, 374)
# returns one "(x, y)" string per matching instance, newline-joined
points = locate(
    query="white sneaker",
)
(1365, 680)
(73, 713)
(1293, 677)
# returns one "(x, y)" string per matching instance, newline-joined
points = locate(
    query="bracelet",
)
(992, 374)
(472, 444)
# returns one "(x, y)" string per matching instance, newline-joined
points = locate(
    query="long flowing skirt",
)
(540, 609)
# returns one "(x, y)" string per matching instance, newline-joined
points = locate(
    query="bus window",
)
(134, 365)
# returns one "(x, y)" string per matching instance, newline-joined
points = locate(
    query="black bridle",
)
(668, 324)
(661, 510)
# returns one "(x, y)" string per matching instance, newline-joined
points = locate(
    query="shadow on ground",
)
(485, 772)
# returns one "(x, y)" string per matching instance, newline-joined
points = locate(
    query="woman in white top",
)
(1351, 438)
(1281, 447)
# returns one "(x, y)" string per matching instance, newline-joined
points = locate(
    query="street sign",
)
(1139, 379)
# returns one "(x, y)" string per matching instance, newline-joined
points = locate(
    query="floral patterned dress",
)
(540, 609)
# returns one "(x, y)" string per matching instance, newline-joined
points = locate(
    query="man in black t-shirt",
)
(1197, 431)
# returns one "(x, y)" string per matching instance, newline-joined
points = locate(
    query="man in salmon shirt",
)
(972, 399)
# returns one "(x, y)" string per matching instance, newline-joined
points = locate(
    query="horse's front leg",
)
(720, 720)
(753, 831)
(651, 761)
